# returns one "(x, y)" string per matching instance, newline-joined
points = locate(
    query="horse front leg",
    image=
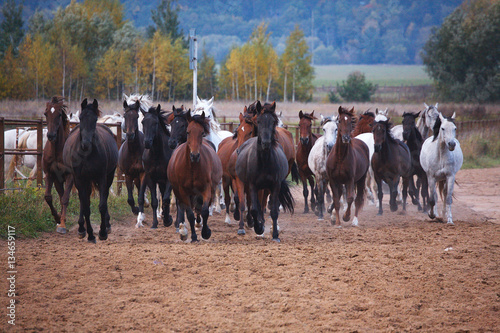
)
(305, 193)
(191, 219)
(85, 212)
(432, 197)
(274, 211)
(154, 204)
(360, 198)
(129, 182)
(448, 195)
(167, 192)
(240, 188)
(140, 201)
(314, 197)
(336, 194)
(380, 194)
(320, 198)
(255, 209)
(425, 192)
(48, 198)
(61, 228)
(350, 199)
(406, 182)
(103, 209)
(205, 231)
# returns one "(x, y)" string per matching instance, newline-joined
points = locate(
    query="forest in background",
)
(336, 31)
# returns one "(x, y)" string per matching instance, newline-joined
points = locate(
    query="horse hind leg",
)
(191, 219)
(48, 198)
(167, 218)
(305, 193)
(359, 201)
(205, 231)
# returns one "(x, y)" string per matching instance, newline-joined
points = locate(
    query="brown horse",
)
(307, 140)
(347, 165)
(390, 161)
(56, 173)
(364, 124)
(246, 130)
(130, 153)
(194, 171)
(91, 154)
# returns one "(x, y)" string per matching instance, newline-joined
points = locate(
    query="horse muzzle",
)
(51, 137)
(346, 138)
(130, 137)
(451, 145)
(304, 141)
(377, 148)
(195, 157)
(172, 143)
(86, 145)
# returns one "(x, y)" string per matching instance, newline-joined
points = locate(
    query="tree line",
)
(88, 48)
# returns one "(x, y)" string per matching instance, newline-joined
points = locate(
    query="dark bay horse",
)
(130, 153)
(390, 162)
(414, 141)
(56, 173)
(364, 124)
(92, 155)
(155, 159)
(307, 140)
(194, 171)
(262, 165)
(347, 165)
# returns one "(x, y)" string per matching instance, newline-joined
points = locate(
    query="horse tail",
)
(295, 172)
(285, 197)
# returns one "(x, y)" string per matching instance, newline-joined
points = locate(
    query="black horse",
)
(414, 141)
(263, 166)
(155, 159)
(91, 154)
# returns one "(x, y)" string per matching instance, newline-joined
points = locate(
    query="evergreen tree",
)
(166, 21)
(11, 27)
(207, 76)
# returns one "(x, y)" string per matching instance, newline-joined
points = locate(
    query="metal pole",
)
(193, 62)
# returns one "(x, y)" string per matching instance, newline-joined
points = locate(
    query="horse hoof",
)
(259, 231)
(91, 240)
(241, 232)
(62, 230)
(81, 234)
(277, 240)
(184, 237)
(450, 223)
(346, 218)
(135, 210)
(379, 214)
(206, 234)
(432, 216)
(154, 226)
(168, 222)
(108, 230)
(321, 219)
(306, 210)
(222, 206)
(102, 236)
(194, 241)
(394, 208)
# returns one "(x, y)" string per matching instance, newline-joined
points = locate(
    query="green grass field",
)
(389, 75)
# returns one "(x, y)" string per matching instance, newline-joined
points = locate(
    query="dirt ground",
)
(397, 272)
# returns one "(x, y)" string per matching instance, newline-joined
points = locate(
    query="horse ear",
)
(95, 104)
(404, 113)
(340, 109)
(125, 105)
(245, 109)
(352, 110)
(426, 106)
(273, 106)
(441, 117)
(198, 100)
(312, 115)
(241, 116)
(281, 113)
(301, 115)
(453, 116)
(436, 106)
(202, 115)
(418, 114)
(211, 100)
(158, 109)
(321, 117)
(84, 104)
(376, 111)
(258, 107)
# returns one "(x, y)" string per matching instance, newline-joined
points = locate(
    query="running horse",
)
(441, 158)
(91, 153)
(56, 173)
(155, 159)
(194, 171)
(262, 165)
(306, 142)
(130, 153)
(347, 165)
(390, 162)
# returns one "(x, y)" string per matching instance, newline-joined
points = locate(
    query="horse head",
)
(198, 127)
(430, 115)
(409, 124)
(445, 130)
(381, 114)
(151, 123)
(330, 128)
(247, 128)
(179, 125)
(205, 106)
(131, 116)
(55, 112)
(267, 121)
(305, 126)
(88, 122)
(346, 119)
(381, 130)
(365, 123)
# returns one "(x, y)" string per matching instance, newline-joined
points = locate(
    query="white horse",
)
(216, 133)
(113, 119)
(74, 117)
(11, 139)
(28, 140)
(441, 158)
(317, 158)
(427, 119)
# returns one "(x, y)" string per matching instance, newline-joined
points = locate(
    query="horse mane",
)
(162, 117)
(325, 120)
(388, 126)
(368, 113)
(271, 109)
(437, 126)
(309, 116)
(203, 121)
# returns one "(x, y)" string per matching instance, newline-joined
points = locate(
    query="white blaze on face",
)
(52, 110)
(346, 118)
(243, 129)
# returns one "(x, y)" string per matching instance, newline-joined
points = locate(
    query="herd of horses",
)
(186, 152)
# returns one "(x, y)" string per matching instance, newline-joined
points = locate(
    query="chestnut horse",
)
(91, 154)
(262, 165)
(56, 173)
(307, 140)
(390, 162)
(130, 153)
(364, 124)
(194, 171)
(347, 165)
